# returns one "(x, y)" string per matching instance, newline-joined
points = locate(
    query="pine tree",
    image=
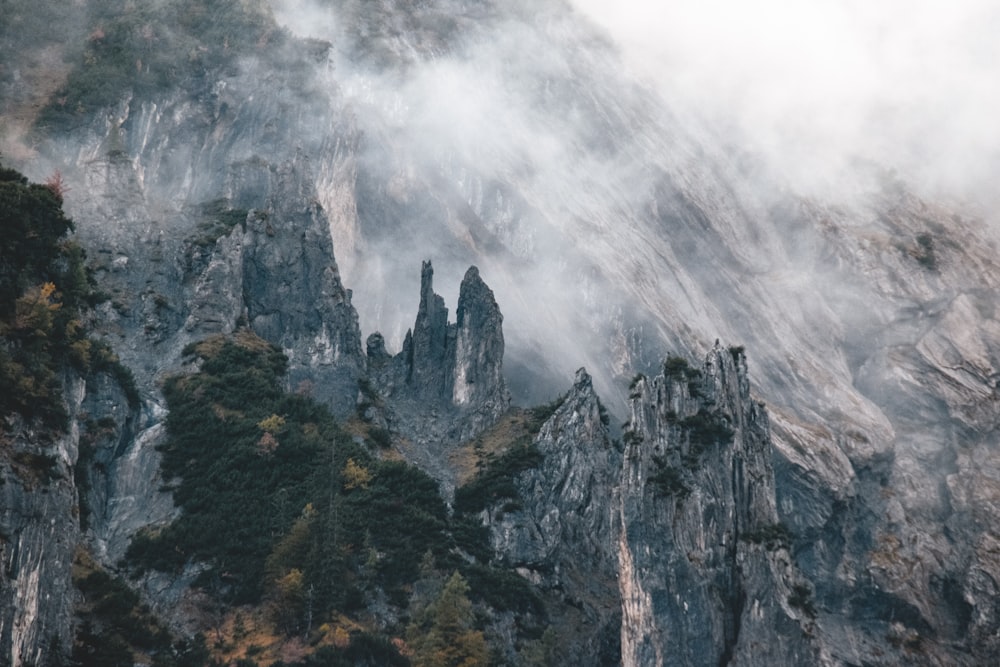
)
(444, 634)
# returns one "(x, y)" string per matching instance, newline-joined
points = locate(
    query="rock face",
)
(563, 537)
(217, 201)
(706, 576)
(184, 248)
(671, 536)
(40, 519)
(38, 536)
(446, 385)
(292, 293)
(201, 213)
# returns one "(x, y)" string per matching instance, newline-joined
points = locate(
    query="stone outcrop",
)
(562, 537)
(446, 385)
(293, 295)
(671, 535)
(216, 201)
(706, 574)
(42, 505)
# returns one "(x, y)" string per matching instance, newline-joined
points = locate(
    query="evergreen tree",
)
(443, 634)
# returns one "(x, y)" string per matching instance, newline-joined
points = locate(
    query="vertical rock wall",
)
(446, 385)
(706, 575)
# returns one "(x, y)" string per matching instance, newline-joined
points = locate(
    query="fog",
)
(573, 160)
(615, 171)
(911, 85)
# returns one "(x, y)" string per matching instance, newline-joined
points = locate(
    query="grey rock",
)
(701, 583)
(562, 538)
(40, 528)
(446, 385)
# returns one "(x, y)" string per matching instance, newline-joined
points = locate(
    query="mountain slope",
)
(224, 162)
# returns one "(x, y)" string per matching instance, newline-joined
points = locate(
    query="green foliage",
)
(772, 536)
(471, 537)
(145, 48)
(217, 220)
(44, 289)
(401, 515)
(115, 625)
(801, 598)
(632, 437)
(633, 391)
(42, 466)
(234, 499)
(496, 481)
(602, 411)
(736, 351)
(443, 634)
(678, 368)
(668, 480)
(32, 225)
(314, 524)
(104, 360)
(381, 437)
(924, 253)
(540, 414)
(704, 429)
(504, 590)
(243, 507)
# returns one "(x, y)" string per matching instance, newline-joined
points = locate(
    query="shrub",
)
(633, 392)
(705, 429)
(676, 368)
(801, 598)
(632, 437)
(234, 501)
(381, 437)
(540, 414)
(679, 370)
(603, 413)
(217, 220)
(504, 590)
(44, 288)
(924, 252)
(773, 536)
(143, 48)
(115, 625)
(668, 480)
(496, 481)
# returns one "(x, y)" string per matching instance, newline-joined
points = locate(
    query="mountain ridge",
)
(610, 224)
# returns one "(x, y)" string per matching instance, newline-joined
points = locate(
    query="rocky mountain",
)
(283, 167)
(446, 385)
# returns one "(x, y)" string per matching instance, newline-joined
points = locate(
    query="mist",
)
(630, 182)
(814, 87)
(634, 184)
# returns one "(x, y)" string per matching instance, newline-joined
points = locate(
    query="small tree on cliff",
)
(443, 633)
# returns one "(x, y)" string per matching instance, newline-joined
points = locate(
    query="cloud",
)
(912, 85)
(632, 221)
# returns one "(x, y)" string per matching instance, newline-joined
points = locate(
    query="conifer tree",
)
(443, 634)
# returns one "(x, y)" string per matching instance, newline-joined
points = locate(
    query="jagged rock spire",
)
(428, 354)
(698, 505)
(443, 368)
(479, 345)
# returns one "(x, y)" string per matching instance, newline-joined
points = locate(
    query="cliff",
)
(707, 575)
(671, 536)
(446, 385)
(216, 161)
(561, 535)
